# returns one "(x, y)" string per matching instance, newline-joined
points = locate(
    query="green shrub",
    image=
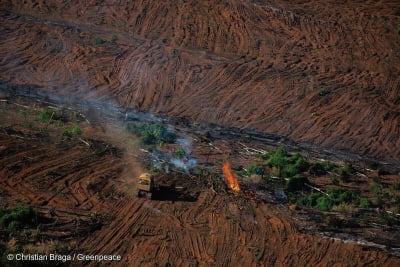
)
(287, 165)
(278, 159)
(324, 203)
(49, 115)
(46, 114)
(364, 203)
(150, 134)
(254, 169)
(296, 164)
(73, 132)
(14, 218)
(76, 130)
(180, 152)
(336, 196)
(309, 200)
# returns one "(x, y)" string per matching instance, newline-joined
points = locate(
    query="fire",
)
(231, 178)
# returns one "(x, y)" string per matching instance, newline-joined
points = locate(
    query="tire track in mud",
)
(291, 46)
(214, 229)
(256, 234)
(54, 171)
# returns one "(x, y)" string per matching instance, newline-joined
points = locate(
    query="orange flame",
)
(231, 178)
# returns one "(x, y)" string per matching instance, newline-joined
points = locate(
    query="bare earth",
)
(322, 73)
(253, 64)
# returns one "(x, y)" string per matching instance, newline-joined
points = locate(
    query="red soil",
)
(238, 63)
(214, 229)
(243, 63)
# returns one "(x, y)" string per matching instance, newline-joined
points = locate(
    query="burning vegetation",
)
(231, 178)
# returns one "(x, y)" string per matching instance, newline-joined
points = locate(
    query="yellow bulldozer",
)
(145, 185)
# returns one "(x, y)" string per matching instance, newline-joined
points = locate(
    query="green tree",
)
(278, 159)
(287, 165)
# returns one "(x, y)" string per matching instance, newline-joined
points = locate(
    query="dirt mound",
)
(327, 73)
